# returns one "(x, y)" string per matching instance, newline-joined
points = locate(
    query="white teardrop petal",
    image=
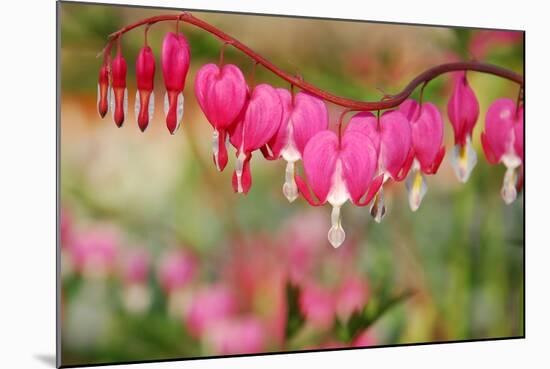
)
(417, 188)
(151, 105)
(290, 189)
(125, 104)
(215, 147)
(336, 234)
(137, 106)
(378, 208)
(239, 171)
(463, 160)
(179, 110)
(112, 102)
(166, 103)
(508, 191)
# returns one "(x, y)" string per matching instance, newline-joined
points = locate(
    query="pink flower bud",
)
(260, 122)
(175, 61)
(502, 142)
(145, 77)
(427, 138)
(103, 90)
(463, 111)
(119, 92)
(208, 306)
(338, 171)
(176, 269)
(221, 94)
(302, 119)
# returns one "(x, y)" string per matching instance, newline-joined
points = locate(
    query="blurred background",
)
(160, 259)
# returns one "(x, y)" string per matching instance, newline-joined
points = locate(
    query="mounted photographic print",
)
(243, 184)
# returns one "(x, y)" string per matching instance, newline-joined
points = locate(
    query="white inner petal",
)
(215, 147)
(125, 104)
(166, 103)
(290, 189)
(508, 191)
(112, 102)
(338, 194)
(463, 160)
(239, 169)
(179, 110)
(137, 105)
(336, 234)
(416, 187)
(378, 208)
(151, 105)
(290, 151)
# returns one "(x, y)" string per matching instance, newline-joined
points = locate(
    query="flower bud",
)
(175, 61)
(119, 94)
(145, 77)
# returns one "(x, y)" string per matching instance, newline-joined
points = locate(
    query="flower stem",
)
(392, 101)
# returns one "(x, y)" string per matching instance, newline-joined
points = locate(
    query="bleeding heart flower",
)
(145, 77)
(427, 138)
(103, 91)
(119, 93)
(502, 142)
(261, 120)
(175, 61)
(463, 111)
(221, 93)
(391, 135)
(302, 119)
(338, 170)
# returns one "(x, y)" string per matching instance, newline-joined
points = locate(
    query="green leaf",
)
(295, 318)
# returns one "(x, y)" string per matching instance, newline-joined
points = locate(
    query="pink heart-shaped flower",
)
(221, 94)
(426, 133)
(391, 137)
(501, 125)
(303, 118)
(337, 171)
(260, 121)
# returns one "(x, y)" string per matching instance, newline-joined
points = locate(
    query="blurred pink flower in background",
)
(482, 41)
(135, 266)
(93, 252)
(303, 249)
(258, 282)
(176, 269)
(66, 225)
(366, 338)
(351, 296)
(134, 271)
(209, 305)
(244, 335)
(318, 305)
